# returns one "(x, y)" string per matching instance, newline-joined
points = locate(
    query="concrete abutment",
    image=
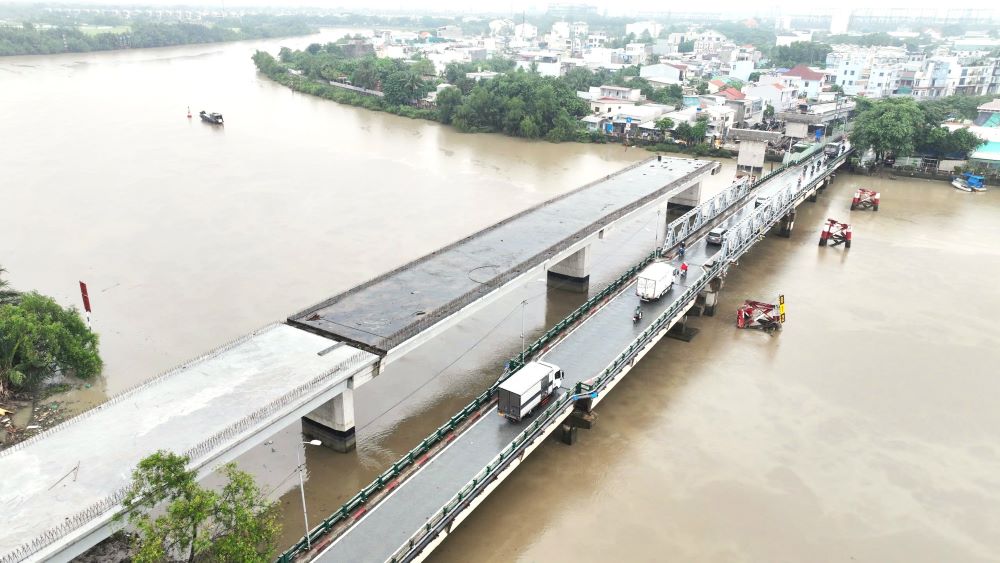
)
(333, 423)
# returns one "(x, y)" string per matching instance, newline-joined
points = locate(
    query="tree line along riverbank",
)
(515, 102)
(44, 39)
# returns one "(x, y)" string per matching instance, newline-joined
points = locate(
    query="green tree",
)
(448, 101)
(38, 339)
(663, 125)
(7, 294)
(685, 46)
(702, 87)
(769, 111)
(234, 524)
(888, 126)
(800, 52)
(754, 76)
(683, 131)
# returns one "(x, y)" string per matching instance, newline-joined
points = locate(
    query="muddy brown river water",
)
(868, 430)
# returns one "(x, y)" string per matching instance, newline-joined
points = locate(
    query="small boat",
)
(213, 118)
(969, 182)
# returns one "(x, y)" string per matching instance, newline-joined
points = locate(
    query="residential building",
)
(597, 39)
(709, 43)
(664, 73)
(637, 53)
(547, 63)
(775, 94)
(811, 81)
(612, 99)
(872, 72)
(989, 114)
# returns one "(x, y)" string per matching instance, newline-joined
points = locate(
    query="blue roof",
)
(989, 151)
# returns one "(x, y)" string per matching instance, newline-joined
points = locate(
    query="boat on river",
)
(213, 118)
(969, 182)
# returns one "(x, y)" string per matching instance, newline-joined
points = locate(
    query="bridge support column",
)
(787, 224)
(687, 199)
(711, 297)
(573, 273)
(812, 196)
(333, 423)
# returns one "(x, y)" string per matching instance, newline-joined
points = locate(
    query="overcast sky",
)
(612, 7)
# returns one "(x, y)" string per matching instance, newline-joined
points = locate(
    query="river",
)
(865, 430)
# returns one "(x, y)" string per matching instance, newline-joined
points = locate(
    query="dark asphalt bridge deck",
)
(583, 355)
(389, 309)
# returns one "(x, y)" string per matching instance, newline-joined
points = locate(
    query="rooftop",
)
(804, 72)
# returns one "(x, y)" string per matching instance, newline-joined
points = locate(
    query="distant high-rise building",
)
(840, 22)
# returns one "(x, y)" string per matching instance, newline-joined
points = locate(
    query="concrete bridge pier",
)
(333, 423)
(687, 199)
(710, 295)
(573, 273)
(787, 224)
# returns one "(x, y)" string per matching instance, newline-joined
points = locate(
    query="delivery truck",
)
(654, 281)
(529, 387)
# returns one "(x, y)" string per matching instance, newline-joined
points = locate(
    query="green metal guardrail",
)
(436, 523)
(358, 500)
(514, 364)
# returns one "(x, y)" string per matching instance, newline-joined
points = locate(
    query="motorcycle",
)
(637, 316)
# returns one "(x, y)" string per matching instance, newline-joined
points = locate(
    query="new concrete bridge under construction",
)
(72, 477)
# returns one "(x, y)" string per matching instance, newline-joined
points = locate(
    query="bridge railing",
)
(197, 454)
(390, 341)
(765, 215)
(396, 469)
(425, 445)
(551, 415)
(682, 227)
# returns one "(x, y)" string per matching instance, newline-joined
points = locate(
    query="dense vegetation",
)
(903, 127)
(800, 52)
(34, 40)
(174, 516)
(519, 103)
(39, 339)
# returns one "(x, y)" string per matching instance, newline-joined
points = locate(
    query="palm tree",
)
(7, 295)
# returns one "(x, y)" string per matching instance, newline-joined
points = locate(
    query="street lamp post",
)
(523, 305)
(302, 487)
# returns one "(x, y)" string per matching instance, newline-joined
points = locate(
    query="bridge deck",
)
(383, 312)
(583, 354)
(228, 391)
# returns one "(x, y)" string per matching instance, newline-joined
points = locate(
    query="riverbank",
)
(26, 414)
(41, 39)
(299, 82)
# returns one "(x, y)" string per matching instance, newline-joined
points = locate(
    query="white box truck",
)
(528, 388)
(654, 281)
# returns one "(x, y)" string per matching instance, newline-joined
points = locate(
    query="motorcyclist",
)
(684, 269)
(638, 314)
